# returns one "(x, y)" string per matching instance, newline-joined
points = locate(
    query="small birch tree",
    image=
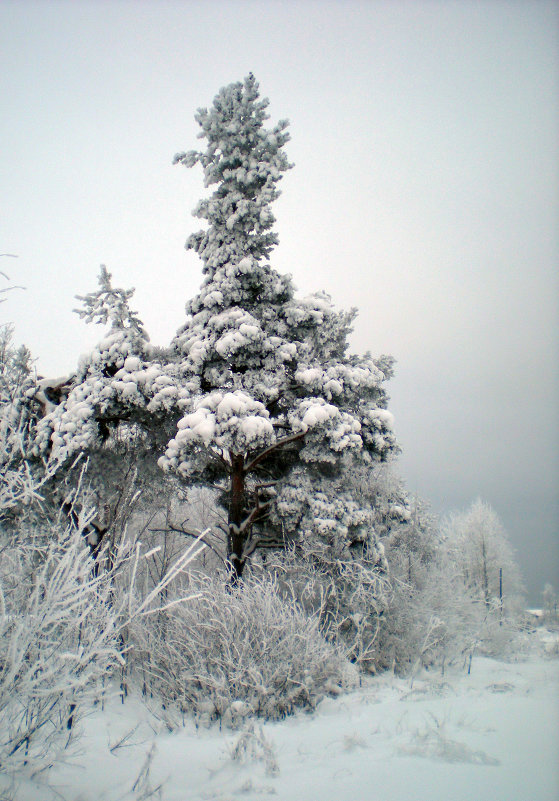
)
(477, 543)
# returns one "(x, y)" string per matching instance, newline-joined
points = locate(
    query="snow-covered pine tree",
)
(122, 379)
(119, 409)
(277, 400)
(18, 482)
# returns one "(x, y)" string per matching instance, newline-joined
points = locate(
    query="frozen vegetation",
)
(213, 583)
(484, 735)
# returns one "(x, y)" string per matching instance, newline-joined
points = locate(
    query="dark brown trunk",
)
(237, 513)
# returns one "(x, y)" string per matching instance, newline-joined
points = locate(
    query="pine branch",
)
(256, 514)
(267, 451)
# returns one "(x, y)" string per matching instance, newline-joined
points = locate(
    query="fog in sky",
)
(425, 192)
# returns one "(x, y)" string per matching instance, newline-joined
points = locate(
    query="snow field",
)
(492, 735)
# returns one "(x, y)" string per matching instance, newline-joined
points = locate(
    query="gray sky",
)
(425, 192)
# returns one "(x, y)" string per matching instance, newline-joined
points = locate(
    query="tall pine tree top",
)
(246, 161)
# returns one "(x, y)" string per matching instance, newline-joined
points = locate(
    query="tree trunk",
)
(236, 537)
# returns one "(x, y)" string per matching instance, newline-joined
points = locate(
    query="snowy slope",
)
(492, 735)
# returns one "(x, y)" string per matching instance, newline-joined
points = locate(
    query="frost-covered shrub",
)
(347, 592)
(63, 623)
(429, 618)
(58, 640)
(435, 621)
(237, 651)
(445, 602)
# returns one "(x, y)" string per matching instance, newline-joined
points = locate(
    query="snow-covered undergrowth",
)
(58, 640)
(491, 734)
(63, 621)
(347, 595)
(237, 651)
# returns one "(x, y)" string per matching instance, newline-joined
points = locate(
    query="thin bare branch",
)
(190, 533)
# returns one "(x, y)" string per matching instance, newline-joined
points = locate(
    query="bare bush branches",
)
(63, 623)
(235, 651)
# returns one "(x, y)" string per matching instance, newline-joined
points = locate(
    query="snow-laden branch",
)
(267, 451)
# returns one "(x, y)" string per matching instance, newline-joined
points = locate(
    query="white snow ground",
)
(492, 735)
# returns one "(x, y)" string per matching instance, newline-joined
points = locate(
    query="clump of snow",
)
(232, 421)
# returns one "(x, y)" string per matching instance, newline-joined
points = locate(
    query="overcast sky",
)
(426, 193)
